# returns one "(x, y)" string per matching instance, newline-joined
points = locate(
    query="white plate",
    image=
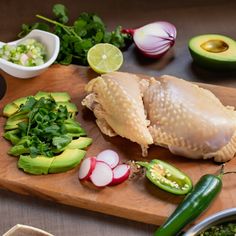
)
(24, 230)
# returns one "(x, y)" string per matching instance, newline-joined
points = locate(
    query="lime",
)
(104, 58)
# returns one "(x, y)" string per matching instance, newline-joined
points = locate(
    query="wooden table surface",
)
(190, 17)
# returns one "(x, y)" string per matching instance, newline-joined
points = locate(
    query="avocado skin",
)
(80, 143)
(66, 161)
(212, 64)
(10, 109)
(37, 166)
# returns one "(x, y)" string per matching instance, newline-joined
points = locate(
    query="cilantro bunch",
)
(78, 38)
(43, 128)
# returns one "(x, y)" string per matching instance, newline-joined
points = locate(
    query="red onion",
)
(154, 39)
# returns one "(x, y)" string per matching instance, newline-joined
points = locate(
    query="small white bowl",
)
(49, 40)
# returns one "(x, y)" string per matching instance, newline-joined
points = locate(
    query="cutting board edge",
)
(39, 193)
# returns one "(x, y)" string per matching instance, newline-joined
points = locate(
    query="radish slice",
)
(87, 167)
(102, 174)
(110, 157)
(120, 174)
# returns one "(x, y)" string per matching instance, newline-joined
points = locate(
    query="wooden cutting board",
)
(136, 199)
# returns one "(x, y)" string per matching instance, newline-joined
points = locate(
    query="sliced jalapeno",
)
(167, 177)
(198, 200)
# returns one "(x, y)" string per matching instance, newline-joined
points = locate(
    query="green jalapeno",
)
(198, 200)
(167, 177)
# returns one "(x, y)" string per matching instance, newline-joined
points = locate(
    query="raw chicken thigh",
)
(116, 100)
(168, 111)
(189, 120)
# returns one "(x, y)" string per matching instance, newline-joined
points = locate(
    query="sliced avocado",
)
(18, 116)
(76, 135)
(60, 96)
(37, 165)
(71, 107)
(18, 150)
(73, 127)
(66, 160)
(10, 109)
(41, 94)
(18, 102)
(12, 136)
(13, 120)
(213, 51)
(57, 96)
(79, 143)
(12, 124)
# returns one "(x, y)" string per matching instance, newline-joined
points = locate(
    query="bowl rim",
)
(208, 222)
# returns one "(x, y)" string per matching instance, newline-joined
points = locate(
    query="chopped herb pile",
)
(41, 127)
(228, 229)
(78, 38)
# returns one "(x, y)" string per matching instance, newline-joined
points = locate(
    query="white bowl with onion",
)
(51, 43)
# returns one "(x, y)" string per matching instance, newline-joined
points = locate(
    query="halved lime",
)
(104, 58)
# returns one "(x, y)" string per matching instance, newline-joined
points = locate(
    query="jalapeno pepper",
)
(204, 192)
(167, 177)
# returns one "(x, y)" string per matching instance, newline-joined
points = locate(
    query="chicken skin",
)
(188, 120)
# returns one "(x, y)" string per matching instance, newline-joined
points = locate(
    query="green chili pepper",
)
(204, 192)
(167, 177)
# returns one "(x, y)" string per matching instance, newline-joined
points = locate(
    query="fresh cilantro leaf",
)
(28, 106)
(61, 13)
(61, 141)
(25, 29)
(76, 39)
(98, 37)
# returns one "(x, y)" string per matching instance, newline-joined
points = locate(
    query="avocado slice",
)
(18, 116)
(57, 96)
(41, 94)
(66, 160)
(36, 166)
(213, 51)
(12, 121)
(60, 96)
(79, 143)
(18, 102)
(13, 124)
(18, 150)
(12, 136)
(10, 109)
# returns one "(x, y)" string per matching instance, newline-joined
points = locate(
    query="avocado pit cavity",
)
(215, 46)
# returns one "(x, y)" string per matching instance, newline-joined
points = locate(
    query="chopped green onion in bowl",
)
(28, 53)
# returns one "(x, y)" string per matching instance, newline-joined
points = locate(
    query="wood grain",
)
(136, 199)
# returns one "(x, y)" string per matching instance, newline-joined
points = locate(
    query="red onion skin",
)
(128, 31)
(154, 56)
